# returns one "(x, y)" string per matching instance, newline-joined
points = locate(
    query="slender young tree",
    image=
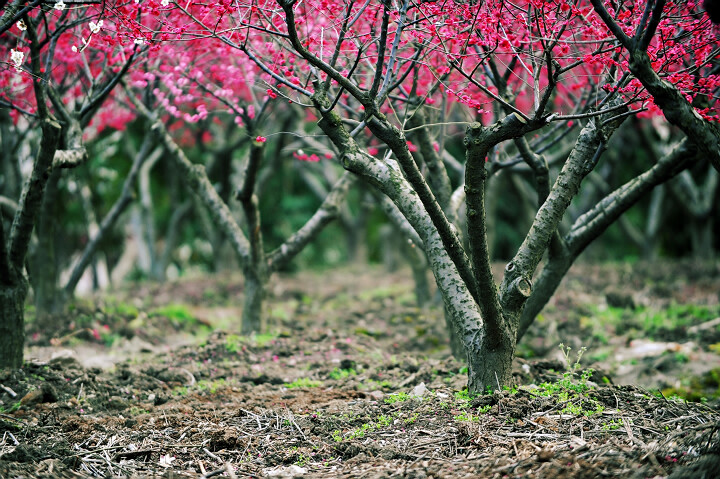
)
(257, 264)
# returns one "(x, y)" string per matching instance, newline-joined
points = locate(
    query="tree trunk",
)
(456, 345)
(543, 289)
(254, 296)
(45, 273)
(419, 267)
(490, 365)
(12, 328)
(701, 234)
(652, 224)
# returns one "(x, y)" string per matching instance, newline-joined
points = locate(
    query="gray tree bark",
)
(593, 223)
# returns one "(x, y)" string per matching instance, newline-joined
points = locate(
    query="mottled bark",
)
(255, 270)
(395, 139)
(462, 308)
(254, 294)
(491, 358)
(593, 223)
(588, 147)
(499, 333)
(44, 273)
(12, 327)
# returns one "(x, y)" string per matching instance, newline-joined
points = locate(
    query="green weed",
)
(466, 416)
(233, 343)
(397, 397)
(612, 425)
(14, 407)
(177, 313)
(339, 374)
(463, 399)
(211, 386)
(303, 383)
(264, 339)
(411, 419)
(121, 309)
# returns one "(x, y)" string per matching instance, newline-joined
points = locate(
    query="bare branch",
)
(327, 212)
(196, 178)
(125, 198)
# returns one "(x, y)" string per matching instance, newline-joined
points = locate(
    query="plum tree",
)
(517, 69)
(387, 82)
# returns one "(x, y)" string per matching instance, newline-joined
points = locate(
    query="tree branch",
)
(671, 101)
(591, 140)
(395, 140)
(593, 223)
(196, 178)
(652, 26)
(460, 303)
(327, 212)
(32, 195)
(287, 6)
(396, 217)
(589, 226)
(125, 198)
(437, 174)
(475, 176)
(614, 27)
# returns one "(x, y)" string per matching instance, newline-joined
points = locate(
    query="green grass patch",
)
(120, 308)
(340, 374)
(303, 383)
(178, 313)
(650, 322)
(396, 398)
(263, 339)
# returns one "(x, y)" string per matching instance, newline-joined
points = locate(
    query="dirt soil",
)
(353, 380)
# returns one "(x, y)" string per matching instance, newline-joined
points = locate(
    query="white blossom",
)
(74, 48)
(17, 58)
(60, 5)
(166, 460)
(21, 26)
(139, 41)
(95, 27)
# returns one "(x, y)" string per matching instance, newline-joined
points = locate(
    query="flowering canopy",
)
(80, 57)
(532, 57)
(552, 56)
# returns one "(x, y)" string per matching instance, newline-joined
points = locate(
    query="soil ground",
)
(353, 380)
